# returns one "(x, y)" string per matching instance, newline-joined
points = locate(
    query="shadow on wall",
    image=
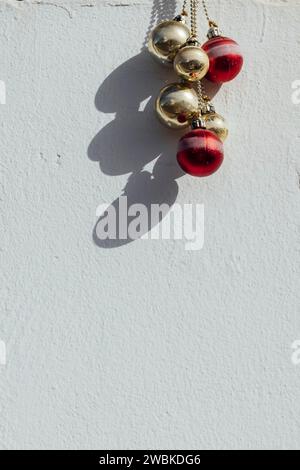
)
(135, 137)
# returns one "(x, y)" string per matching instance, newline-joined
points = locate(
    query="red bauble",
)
(225, 59)
(200, 152)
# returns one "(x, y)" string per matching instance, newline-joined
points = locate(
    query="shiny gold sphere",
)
(217, 124)
(191, 63)
(166, 39)
(176, 104)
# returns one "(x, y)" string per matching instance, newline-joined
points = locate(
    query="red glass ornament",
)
(225, 59)
(200, 152)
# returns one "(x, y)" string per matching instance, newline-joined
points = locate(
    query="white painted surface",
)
(145, 345)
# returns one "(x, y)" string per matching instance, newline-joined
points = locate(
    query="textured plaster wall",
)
(145, 345)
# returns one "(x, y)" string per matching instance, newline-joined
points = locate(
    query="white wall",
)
(145, 345)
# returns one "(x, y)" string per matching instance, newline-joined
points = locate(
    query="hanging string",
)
(201, 97)
(194, 25)
(184, 8)
(211, 23)
(194, 33)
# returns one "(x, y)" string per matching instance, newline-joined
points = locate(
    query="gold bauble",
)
(191, 63)
(217, 124)
(176, 104)
(166, 39)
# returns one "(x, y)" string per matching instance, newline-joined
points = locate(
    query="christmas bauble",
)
(167, 38)
(191, 63)
(216, 123)
(176, 104)
(200, 152)
(225, 59)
